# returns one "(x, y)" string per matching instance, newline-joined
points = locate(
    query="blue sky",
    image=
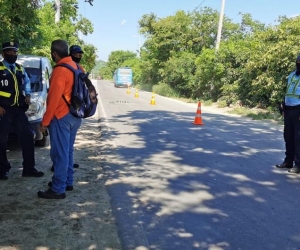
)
(116, 21)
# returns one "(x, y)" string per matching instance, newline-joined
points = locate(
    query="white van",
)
(39, 70)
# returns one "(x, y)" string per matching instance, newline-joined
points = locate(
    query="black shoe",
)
(33, 173)
(52, 168)
(4, 176)
(284, 165)
(294, 170)
(49, 194)
(68, 188)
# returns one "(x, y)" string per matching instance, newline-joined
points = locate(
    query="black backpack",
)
(81, 105)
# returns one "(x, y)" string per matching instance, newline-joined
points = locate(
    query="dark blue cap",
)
(10, 46)
(75, 49)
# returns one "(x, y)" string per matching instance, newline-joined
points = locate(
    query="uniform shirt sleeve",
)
(27, 83)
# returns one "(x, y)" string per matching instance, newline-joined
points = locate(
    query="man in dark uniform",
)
(14, 101)
(291, 113)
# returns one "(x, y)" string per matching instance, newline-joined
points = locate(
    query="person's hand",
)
(43, 128)
(91, 88)
(93, 96)
(2, 111)
(27, 99)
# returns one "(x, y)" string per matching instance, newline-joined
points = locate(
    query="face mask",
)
(76, 59)
(53, 58)
(11, 59)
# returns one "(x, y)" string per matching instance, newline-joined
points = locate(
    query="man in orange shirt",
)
(62, 125)
(76, 54)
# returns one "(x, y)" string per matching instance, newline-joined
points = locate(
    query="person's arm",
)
(89, 84)
(92, 91)
(58, 81)
(26, 83)
(27, 88)
(281, 107)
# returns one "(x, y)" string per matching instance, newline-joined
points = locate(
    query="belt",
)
(292, 107)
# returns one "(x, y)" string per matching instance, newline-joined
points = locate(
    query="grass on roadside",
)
(253, 113)
(258, 114)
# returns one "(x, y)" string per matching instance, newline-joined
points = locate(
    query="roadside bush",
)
(207, 102)
(224, 101)
(146, 87)
(222, 104)
(164, 90)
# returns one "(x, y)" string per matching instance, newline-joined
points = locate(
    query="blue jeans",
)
(62, 137)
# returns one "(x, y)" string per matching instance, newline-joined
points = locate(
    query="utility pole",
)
(57, 7)
(139, 45)
(57, 11)
(220, 25)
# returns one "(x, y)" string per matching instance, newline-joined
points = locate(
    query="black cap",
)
(10, 46)
(75, 49)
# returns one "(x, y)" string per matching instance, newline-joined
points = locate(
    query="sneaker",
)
(33, 173)
(49, 194)
(294, 170)
(284, 165)
(4, 176)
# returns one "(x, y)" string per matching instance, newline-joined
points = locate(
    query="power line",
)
(200, 4)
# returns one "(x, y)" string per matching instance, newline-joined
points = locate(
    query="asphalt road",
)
(175, 185)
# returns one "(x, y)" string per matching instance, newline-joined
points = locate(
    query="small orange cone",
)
(198, 119)
(128, 90)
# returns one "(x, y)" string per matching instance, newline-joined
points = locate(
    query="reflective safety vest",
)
(12, 86)
(292, 86)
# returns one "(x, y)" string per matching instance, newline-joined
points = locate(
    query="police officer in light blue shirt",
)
(14, 101)
(291, 112)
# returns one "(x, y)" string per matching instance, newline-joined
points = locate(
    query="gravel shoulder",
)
(82, 221)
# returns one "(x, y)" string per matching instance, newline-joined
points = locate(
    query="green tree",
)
(117, 58)
(68, 28)
(18, 22)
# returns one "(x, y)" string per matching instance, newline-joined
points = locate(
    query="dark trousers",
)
(16, 118)
(292, 135)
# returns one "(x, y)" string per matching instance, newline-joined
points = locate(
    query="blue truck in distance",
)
(123, 77)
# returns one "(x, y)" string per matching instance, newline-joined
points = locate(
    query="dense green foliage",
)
(178, 56)
(250, 68)
(32, 24)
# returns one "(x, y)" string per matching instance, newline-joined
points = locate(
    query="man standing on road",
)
(15, 92)
(76, 54)
(63, 126)
(291, 112)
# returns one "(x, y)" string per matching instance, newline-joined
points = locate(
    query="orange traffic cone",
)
(128, 90)
(198, 119)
